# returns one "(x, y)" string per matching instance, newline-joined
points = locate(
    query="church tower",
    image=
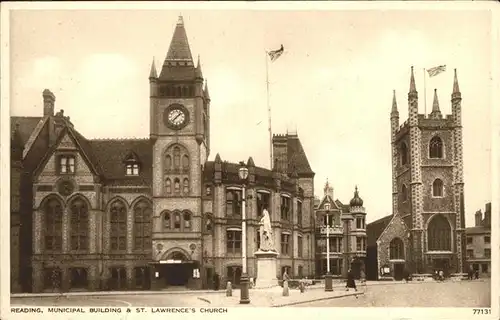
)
(179, 132)
(428, 182)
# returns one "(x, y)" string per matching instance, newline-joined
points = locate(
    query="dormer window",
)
(66, 164)
(132, 169)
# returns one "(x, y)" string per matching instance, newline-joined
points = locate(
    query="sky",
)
(333, 85)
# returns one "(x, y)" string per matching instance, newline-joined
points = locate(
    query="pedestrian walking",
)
(362, 276)
(470, 273)
(350, 281)
(441, 275)
(216, 281)
(476, 274)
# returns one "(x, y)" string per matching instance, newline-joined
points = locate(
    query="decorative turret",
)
(198, 72)
(356, 201)
(328, 190)
(251, 171)
(456, 99)
(217, 169)
(207, 95)
(152, 74)
(436, 113)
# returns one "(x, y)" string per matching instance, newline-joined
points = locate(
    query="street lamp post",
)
(244, 281)
(328, 275)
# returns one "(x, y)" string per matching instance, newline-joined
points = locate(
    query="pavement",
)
(371, 293)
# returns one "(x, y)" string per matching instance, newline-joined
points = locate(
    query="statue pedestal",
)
(266, 269)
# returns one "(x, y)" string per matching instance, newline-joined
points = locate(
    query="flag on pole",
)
(436, 70)
(275, 54)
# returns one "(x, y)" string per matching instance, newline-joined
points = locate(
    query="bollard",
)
(286, 292)
(229, 289)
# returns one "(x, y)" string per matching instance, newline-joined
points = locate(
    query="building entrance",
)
(399, 271)
(176, 270)
(441, 264)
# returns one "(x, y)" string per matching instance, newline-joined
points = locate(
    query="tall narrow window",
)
(79, 224)
(166, 220)
(286, 208)
(437, 188)
(177, 221)
(233, 241)
(233, 202)
(168, 186)
(404, 154)
(299, 246)
(53, 224)
(118, 221)
(257, 237)
(285, 244)
(168, 162)
(177, 186)
(177, 157)
(263, 202)
(396, 249)
(436, 148)
(185, 187)
(185, 162)
(299, 213)
(404, 193)
(187, 220)
(142, 225)
(132, 169)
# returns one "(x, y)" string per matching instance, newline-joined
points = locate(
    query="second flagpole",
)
(269, 115)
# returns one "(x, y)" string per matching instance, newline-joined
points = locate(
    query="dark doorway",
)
(233, 274)
(399, 271)
(118, 279)
(177, 274)
(356, 269)
(209, 278)
(441, 264)
(78, 278)
(142, 278)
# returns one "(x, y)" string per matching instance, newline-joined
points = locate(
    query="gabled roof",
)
(478, 230)
(110, 154)
(328, 200)
(374, 229)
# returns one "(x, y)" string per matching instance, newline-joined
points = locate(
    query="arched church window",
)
(177, 157)
(396, 249)
(177, 186)
(404, 154)
(436, 148)
(168, 186)
(185, 189)
(177, 221)
(185, 162)
(437, 188)
(187, 220)
(168, 162)
(439, 234)
(166, 220)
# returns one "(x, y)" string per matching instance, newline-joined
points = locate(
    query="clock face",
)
(66, 188)
(175, 116)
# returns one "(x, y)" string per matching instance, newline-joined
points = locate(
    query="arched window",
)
(53, 224)
(177, 157)
(404, 192)
(404, 154)
(439, 234)
(177, 221)
(185, 162)
(437, 188)
(142, 225)
(166, 220)
(79, 221)
(396, 249)
(436, 148)
(186, 186)
(168, 186)
(187, 220)
(118, 226)
(177, 186)
(168, 162)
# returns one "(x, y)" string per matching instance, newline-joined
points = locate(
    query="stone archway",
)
(176, 267)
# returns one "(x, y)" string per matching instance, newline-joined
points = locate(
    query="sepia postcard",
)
(193, 159)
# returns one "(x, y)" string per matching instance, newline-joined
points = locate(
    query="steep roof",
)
(26, 125)
(374, 229)
(111, 154)
(478, 230)
(297, 158)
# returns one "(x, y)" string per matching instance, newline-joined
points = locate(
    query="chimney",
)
(487, 214)
(478, 217)
(48, 103)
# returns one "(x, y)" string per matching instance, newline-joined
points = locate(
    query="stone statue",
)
(266, 232)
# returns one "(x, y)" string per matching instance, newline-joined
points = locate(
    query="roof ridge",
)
(117, 139)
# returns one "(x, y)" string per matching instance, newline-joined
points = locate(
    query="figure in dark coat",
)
(350, 281)
(216, 281)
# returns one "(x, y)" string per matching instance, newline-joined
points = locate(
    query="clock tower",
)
(179, 132)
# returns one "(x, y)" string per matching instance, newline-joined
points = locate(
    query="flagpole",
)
(425, 94)
(269, 115)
